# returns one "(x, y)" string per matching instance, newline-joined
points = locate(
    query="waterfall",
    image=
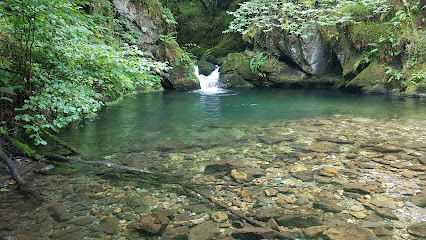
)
(210, 83)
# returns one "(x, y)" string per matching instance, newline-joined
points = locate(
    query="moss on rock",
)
(239, 63)
(205, 67)
(231, 42)
(182, 77)
(369, 77)
(233, 81)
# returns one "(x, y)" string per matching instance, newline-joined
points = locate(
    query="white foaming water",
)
(210, 83)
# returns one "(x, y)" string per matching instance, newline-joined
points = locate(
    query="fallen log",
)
(23, 186)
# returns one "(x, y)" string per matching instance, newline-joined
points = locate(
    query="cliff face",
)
(140, 19)
(148, 18)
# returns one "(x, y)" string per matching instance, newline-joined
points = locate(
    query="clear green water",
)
(238, 147)
(146, 121)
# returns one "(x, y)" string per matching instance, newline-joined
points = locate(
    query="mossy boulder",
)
(280, 74)
(230, 42)
(205, 67)
(418, 88)
(239, 63)
(181, 77)
(369, 77)
(233, 81)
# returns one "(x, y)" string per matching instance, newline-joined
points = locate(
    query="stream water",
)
(322, 164)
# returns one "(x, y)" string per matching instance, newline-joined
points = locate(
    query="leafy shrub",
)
(295, 16)
(67, 63)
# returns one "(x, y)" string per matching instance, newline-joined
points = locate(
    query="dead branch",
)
(23, 186)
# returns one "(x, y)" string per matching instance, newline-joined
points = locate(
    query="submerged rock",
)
(350, 232)
(205, 230)
(327, 205)
(152, 223)
(322, 147)
(387, 148)
(220, 217)
(253, 233)
(418, 229)
(419, 200)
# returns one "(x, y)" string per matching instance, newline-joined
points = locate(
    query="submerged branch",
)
(236, 213)
(23, 186)
(112, 165)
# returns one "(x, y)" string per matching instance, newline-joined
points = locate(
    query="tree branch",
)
(23, 186)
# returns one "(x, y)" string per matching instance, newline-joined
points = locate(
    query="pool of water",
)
(307, 164)
(146, 121)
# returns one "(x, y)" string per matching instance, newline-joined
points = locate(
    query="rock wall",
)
(309, 53)
(146, 17)
(140, 19)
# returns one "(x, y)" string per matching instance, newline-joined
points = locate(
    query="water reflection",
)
(209, 107)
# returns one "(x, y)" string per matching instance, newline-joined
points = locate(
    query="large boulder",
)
(239, 63)
(181, 77)
(205, 67)
(232, 80)
(309, 52)
(369, 79)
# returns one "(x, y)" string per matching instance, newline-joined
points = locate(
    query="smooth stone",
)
(314, 231)
(108, 226)
(422, 159)
(386, 213)
(242, 176)
(220, 217)
(253, 233)
(359, 215)
(63, 232)
(328, 171)
(384, 204)
(350, 232)
(327, 205)
(419, 200)
(271, 192)
(387, 148)
(306, 176)
(205, 230)
(418, 229)
(83, 221)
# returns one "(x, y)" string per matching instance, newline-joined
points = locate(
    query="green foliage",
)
(257, 62)
(296, 16)
(367, 57)
(418, 77)
(395, 76)
(65, 64)
(168, 16)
